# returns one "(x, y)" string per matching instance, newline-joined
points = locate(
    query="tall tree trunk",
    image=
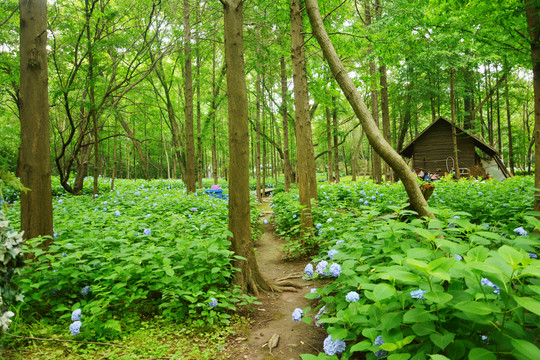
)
(258, 131)
(468, 99)
(499, 132)
(287, 168)
(406, 122)
(336, 141)
(304, 144)
(188, 106)
(533, 22)
(385, 111)
(200, 162)
(376, 139)
(113, 176)
(509, 124)
(454, 137)
(330, 146)
(214, 118)
(36, 204)
(249, 278)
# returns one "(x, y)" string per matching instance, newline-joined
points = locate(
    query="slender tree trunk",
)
(188, 106)
(258, 131)
(304, 146)
(35, 165)
(330, 146)
(499, 132)
(533, 22)
(249, 278)
(385, 111)
(287, 168)
(200, 162)
(454, 137)
(114, 153)
(336, 141)
(509, 124)
(376, 139)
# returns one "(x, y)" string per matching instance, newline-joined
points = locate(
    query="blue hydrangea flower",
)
(75, 328)
(340, 242)
(76, 315)
(485, 339)
(366, 202)
(104, 203)
(458, 257)
(321, 267)
(486, 281)
(329, 220)
(363, 193)
(319, 225)
(320, 232)
(117, 213)
(265, 222)
(314, 291)
(297, 314)
(533, 256)
(147, 216)
(213, 302)
(325, 212)
(331, 253)
(308, 270)
(352, 296)
(147, 232)
(193, 209)
(520, 231)
(333, 347)
(360, 200)
(418, 294)
(85, 290)
(378, 342)
(60, 201)
(373, 198)
(294, 216)
(335, 269)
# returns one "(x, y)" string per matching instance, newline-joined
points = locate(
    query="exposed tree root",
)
(292, 276)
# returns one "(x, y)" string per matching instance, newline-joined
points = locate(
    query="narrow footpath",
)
(274, 317)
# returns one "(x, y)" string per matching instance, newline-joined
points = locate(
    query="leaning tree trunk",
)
(36, 204)
(375, 137)
(249, 278)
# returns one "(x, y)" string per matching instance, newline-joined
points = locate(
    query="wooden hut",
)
(433, 152)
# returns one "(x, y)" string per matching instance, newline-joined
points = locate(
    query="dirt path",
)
(274, 316)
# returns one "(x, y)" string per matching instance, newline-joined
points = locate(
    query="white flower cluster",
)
(10, 262)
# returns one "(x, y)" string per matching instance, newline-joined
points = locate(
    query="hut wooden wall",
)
(432, 150)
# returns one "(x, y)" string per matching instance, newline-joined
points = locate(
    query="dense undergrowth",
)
(145, 249)
(462, 285)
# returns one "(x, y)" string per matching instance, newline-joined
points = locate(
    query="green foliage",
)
(480, 283)
(146, 248)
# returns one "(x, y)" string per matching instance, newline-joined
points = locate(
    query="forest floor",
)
(274, 316)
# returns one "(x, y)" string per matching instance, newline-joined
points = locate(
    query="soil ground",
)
(274, 316)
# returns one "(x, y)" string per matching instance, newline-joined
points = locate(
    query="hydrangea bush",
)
(157, 258)
(11, 264)
(456, 286)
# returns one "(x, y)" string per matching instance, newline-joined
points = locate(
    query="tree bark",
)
(375, 137)
(509, 124)
(336, 141)
(454, 138)
(188, 106)
(287, 168)
(36, 204)
(307, 182)
(330, 164)
(533, 22)
(385, 111)
(249, 278)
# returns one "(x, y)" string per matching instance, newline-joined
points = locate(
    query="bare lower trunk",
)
(305, 158)
(249, 278)
(36, 204)
(375, 137)
(287, 168)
